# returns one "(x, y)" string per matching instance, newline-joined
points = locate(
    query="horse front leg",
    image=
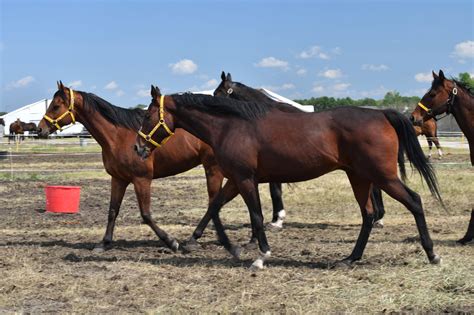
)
(226, 194)
(117, 192)
(142, 190)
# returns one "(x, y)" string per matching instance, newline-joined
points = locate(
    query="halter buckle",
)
(230, 91)
(455, 91)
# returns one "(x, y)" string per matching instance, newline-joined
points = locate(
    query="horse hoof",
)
(275, 226)
(343, 264)
(464, 240)
(378, 224)
(174, 246)
(101, 248)
(436, 260)
(235, 251)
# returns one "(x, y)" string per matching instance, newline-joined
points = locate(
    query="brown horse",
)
(2, 122)
(259, 142)
(115, 129)
(450, 97)
(18, 128)
(429, 129)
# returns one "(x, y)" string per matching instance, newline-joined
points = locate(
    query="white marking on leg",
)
(279, 221)
(281, 214)
(258, 263)
(440, 153)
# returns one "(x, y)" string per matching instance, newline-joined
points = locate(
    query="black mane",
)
(128, 118)
(222, 106)
(246, 93)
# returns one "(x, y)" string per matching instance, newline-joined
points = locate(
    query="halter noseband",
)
(160, 123)
(449, 104)
(55, 122)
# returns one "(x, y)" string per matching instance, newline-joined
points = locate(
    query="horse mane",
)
(222, 106)
(258, 96)
(124, 117)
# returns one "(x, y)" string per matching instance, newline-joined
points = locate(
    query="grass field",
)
(47, 265)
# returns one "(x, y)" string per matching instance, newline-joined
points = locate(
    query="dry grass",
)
(46, 264)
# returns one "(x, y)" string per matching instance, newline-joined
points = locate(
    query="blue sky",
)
(299, 49)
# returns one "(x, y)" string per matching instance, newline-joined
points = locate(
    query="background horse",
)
(429, 129)
(18, 128)
(115, 129)
(450, 97)
(256, 142)
(2, 122)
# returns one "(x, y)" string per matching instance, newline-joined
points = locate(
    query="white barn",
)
(34, 113)
(274, 96)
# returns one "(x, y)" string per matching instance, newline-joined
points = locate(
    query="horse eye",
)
(55, 107)
(432, 94)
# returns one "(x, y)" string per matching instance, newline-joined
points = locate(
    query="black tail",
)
(408, 143)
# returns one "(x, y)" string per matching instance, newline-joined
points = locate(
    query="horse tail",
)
(408, 143)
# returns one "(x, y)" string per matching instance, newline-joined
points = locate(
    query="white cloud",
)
(210, 84)
(301, 71)
(75, 84)
(331, 73)
(283, 87)
(371, 67)
(464, 50)
(23, 82)
(337, 51)
(314, 52)
(272, 62)
(143, 93)
(341, 86)
(424, 77)
(318, 89)
(184, 66)
(120, 93)
(112, 85)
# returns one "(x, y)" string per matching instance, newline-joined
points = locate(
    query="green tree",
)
(141, 106)
(466, 79)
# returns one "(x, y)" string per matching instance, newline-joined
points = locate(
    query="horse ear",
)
(229, 77)
(435, 76)
(223, 76)
(60, 85)
(441, 75)
(155, 91)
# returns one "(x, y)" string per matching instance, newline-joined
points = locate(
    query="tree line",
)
(392, 99)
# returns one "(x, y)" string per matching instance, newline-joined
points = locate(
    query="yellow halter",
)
(424, 107)
(160, 123)
(55, 122)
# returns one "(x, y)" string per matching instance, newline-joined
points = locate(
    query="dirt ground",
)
(47, 263)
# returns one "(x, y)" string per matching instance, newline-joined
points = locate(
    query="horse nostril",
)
(135, 147)
(412, 119)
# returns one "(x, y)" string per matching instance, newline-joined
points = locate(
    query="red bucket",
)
(62, 199)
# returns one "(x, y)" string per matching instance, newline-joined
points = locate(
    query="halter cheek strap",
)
(161, 123)
(55, 122)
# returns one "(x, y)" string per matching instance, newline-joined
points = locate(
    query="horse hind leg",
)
(412, 201)
(470, 231)
(430, 146)
(279, 212)
(362, 191)
(438, 146)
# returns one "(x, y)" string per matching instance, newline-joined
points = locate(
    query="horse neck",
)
(103, 131)
(463, 112)
(202, 125)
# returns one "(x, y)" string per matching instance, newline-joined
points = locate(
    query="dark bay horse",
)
(241, 92)
(429, 129)
(18, 128)
(260, 142)
(450, 97)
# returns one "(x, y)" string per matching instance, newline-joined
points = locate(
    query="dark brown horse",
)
(260, 142)
(2, 122)
(18, 128)
(450, 97)
(115, 129)
(429, 129)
